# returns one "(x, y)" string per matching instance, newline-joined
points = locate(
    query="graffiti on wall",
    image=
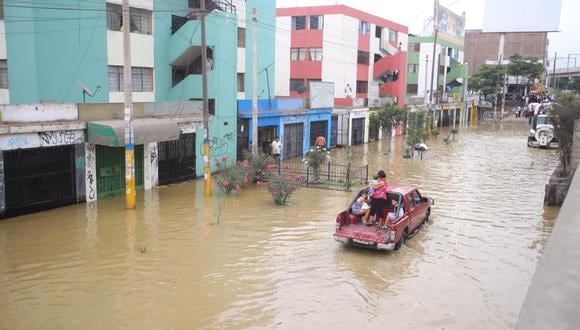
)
(41, 139)
(91, 168)
(57, 138)
(218, 145)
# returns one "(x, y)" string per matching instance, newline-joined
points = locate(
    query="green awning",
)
(145, 130)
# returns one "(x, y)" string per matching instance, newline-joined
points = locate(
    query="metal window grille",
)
(140, 20)
(3, 74)
(298, 22)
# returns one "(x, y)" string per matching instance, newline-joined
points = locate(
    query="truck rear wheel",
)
(401, 241)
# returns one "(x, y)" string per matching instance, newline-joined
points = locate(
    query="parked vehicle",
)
(541, 133)
(416, 211)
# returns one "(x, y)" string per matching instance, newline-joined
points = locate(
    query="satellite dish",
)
(86, 90)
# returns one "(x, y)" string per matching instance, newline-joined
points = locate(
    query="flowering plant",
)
(231, 177)
(282, 186)
(259, 165)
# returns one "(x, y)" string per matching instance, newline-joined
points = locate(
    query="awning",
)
(145, 130)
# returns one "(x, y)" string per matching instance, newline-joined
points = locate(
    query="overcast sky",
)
(414, 13)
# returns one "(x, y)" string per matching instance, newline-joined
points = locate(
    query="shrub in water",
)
(282, 186)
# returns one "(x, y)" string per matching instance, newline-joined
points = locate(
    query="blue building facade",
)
(296, 126)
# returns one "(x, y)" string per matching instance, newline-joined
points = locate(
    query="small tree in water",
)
(565, 112)
(453, 132)
(282, 186)
(416, 132)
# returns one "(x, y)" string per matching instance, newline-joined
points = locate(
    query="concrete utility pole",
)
(206, 151)
(435, 59)
(255, 147)
(128, 88)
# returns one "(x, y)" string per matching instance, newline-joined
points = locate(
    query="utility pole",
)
(426, 75)
(499, 62)
(435, 59)
(554, 70)
(255, 147)
(128, 88)
(206, 151)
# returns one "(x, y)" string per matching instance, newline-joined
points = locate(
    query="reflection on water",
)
(240, 262)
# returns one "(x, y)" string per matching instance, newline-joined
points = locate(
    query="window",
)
(441, 69)
(142, 79)
(140, 19)
(316, 22)
(3, 74)
(378, 57)
(315, 54)
(296, 85)
(364, 28)
(392, 36)
(411, 202)
(415, 47)
(362, 87)
(363, 58)
(413, 68)
(194, 3)
(412, 89)
(378, 31)
(114, 17)
(297, 54)
(241, 37)
(298, 22)
(1, 9)
(241, 81)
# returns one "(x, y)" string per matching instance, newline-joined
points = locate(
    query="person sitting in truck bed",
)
(396, 214)
(360, 206)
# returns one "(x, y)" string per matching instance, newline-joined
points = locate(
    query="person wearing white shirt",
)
(276, 148)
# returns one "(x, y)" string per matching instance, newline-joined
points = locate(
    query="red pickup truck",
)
(416, 211)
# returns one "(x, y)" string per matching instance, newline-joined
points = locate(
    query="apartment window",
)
(315, 54)
(378, 31)
(364, 28)
(412, 89)
(297, 54)
(296, 85)
(3, 74)
(114, 17)
(415, 47)
(316, 22)
(194, 3)
(298, 22)
(392, 36)
(241, 81)
(362, 87)
(363, 58)
(413, 68)
(241, 37)
(1, 9)
(141, 19)
(142, 79)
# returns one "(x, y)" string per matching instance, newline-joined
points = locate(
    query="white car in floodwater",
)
(542, 132)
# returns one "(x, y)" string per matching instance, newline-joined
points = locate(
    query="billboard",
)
(522, 15)
(450, 26)
(321, 94)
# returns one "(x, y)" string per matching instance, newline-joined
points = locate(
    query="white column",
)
(150, 166)
(367, 126)
(91, 172)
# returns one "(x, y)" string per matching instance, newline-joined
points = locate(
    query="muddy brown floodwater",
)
(242, 262)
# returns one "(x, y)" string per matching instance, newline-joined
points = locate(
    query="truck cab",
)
(416, 210)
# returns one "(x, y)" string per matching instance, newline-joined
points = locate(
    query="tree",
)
(486, 79)
(387, 117)
(565, 112)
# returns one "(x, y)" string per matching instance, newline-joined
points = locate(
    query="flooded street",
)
(243, 262)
